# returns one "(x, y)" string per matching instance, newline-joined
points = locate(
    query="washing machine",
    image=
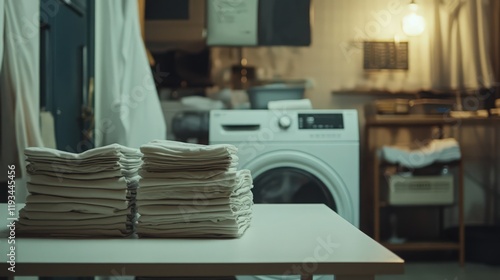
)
(296, 156)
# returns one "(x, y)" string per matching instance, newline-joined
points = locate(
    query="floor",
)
(446, 271)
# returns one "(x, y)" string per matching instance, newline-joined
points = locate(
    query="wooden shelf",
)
(380, 202)
(422, 246)
(368, 92)
(385, 204)
(374, 166)
(425, 120)
(451, 93)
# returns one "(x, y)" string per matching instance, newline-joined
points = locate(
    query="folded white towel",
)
(79, 168)
(77, 192)
(70, 207)
(54, 228)
(87, 176)
(187, 150)
(199, 167)
(231, 208)
(87, 222)
(232, 232)
(168, 160)
(50, 199)
(113, 150)
(197, 201)
(170, 156)
(190, 233)
(33, 168)
(228, 224)
(98, 163)
(228, 179)
(116, 183)
(182, 174)
(77, 162)
(31, 231)
(175, 165)
(193, 216)
(438, 150)
(229, 184)
(37, 215)
(161, 193)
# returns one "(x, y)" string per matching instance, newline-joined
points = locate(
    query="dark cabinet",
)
(173, 21)
(259, 23)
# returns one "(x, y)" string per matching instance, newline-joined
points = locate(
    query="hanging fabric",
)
(461, 45)
(495, 40)
(128, 110)
(20, 83)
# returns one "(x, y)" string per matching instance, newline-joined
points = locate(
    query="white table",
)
(303, 239)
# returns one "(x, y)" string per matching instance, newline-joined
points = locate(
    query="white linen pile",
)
(91, 194)
(191, 190)
(437, 150)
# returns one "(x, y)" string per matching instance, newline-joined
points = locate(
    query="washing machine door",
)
(291, 176)
(291, 185)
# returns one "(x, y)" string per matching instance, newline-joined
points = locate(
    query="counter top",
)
(309, 238)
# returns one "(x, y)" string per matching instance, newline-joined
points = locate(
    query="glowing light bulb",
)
(413, 23)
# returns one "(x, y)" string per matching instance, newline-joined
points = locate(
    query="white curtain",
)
(19, 83)
(461, 54)
(127, 106)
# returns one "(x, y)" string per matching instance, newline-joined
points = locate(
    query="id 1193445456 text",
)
(11, 217)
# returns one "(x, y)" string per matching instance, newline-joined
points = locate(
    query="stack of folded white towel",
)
(437, 150)
(91, 194)
(191, 190)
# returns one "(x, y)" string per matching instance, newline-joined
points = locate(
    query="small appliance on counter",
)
(401, 106)
(392, 106)
(431, 106)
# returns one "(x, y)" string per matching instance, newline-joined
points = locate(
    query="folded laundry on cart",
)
(438, 150)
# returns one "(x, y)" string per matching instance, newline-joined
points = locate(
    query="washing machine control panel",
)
(282, 126)
(321, 121)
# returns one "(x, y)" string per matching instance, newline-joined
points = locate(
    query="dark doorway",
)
(66, 62)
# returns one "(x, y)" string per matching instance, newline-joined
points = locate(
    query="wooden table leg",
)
(376, 198)
(354, 277)
(306, 277)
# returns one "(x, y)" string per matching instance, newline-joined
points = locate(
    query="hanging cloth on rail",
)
(128, 110)
(19, 84)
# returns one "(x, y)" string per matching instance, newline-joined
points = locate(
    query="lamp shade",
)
(413, 23)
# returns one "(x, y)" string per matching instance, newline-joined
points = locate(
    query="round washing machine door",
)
(288, 176)
(291, 185)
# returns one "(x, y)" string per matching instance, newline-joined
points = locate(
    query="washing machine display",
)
(302, 156)
(321, 121)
